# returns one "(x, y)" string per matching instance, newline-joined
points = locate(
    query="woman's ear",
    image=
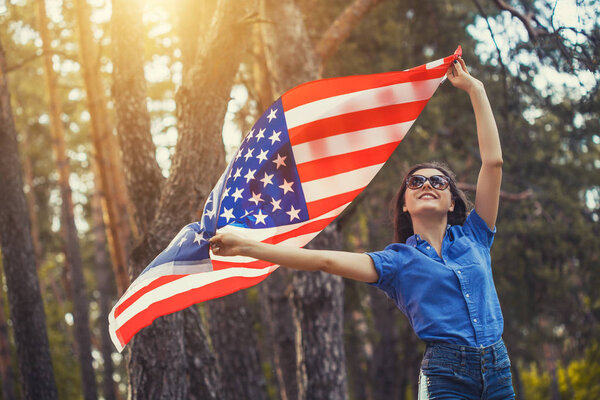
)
(451, 206)
(404, 209)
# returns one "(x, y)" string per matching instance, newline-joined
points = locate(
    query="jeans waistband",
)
(498, 346)
(462, 354)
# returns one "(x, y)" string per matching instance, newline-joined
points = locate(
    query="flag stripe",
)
(317, 90)
(402, 93)
(325, 167)
(348, 142)
(139, 293)
(322, 206)
(355, 121)
(342, 183)
(183, 299)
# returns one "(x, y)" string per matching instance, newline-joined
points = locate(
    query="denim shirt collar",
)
(415, 239)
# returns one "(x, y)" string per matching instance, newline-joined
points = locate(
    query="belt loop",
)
(463, 356)
(494, 355)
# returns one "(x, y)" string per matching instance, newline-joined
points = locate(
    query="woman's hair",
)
(403, 228)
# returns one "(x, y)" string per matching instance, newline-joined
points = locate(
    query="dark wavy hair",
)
(403, 228)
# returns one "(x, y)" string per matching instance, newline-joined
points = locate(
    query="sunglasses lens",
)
(415, 181)
(439, 182)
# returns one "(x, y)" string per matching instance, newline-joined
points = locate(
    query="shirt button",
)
(475, 320)
(467, 295)
(428, 247)
(458, 271)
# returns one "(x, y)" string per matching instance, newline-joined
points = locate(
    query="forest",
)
(118, 117)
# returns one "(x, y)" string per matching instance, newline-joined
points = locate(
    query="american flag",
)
(307, 157)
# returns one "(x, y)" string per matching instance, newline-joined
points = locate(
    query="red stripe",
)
(356, 121)
(156, 283)
(258, 264)
(183, 300)
(328, 166)
(325, 88)
(310, 227)
(321, 206)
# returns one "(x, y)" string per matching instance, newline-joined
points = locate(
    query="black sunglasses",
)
(439, 182)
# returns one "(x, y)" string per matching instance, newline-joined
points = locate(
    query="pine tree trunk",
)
(318, 297)
(105, 281)
(234, 341)
(25, 301)
(7, 376)
(68, 230)
(118, 218)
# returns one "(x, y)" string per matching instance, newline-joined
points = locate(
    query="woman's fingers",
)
(463, 65)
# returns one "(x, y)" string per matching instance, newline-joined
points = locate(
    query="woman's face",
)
(427, 200)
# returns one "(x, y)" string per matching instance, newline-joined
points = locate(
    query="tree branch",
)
(526, 19)
(340, 29)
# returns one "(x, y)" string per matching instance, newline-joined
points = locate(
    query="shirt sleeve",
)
(387, 269)
(477, 228)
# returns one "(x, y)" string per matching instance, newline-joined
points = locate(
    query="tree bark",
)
(25, 301)
(201, 106)
(318, 299)
(6, 369)
(105, 281)
(236, 348)
(111, 183)
(68, 230)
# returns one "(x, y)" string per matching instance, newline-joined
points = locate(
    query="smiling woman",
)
(439, 250)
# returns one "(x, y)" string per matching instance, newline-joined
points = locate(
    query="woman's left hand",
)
(459, 76)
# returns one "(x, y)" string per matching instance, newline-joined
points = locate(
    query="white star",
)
(293, 213)
(210, 213)
(287, 186)
(183, 239)
(250, 175)
(250, 135)
(260, 134)
(237, 174)
(260, 218)
(255, 198)
(263, 155)
(198, 239)
(248, 154)
(280, 161)
(275, 137)
(275, 204)
(228, 214)
(238, 154)
(267, 179)
(237, 194)
(226, 192)
(272, 114)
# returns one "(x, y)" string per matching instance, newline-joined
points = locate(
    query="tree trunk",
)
(105, 281)
(201, 106)
(6, 369)
(318, 300)
(25, 302)
(68, 230)
(110, 183)
(236, 348)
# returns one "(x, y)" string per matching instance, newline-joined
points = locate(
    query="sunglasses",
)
(438, 182)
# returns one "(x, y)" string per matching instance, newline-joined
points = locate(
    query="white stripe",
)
(433, 64)
(349, 142)
(182, 285)
(362, 100)
(169, 268)
(340, 183)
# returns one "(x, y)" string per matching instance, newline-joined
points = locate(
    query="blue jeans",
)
(451, 371)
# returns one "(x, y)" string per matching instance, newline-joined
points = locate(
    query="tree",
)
(19, 263)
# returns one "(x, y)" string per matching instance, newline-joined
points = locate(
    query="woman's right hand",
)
(227, 244)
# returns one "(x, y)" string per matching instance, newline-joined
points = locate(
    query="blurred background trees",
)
(153, 96)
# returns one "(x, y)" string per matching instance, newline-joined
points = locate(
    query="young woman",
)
(439, 270)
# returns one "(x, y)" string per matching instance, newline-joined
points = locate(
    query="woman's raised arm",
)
(490, 175)
(345, 264)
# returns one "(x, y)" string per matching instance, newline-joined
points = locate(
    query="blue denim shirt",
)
(451, 299)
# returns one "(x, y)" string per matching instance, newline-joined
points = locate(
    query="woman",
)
(438, 272)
